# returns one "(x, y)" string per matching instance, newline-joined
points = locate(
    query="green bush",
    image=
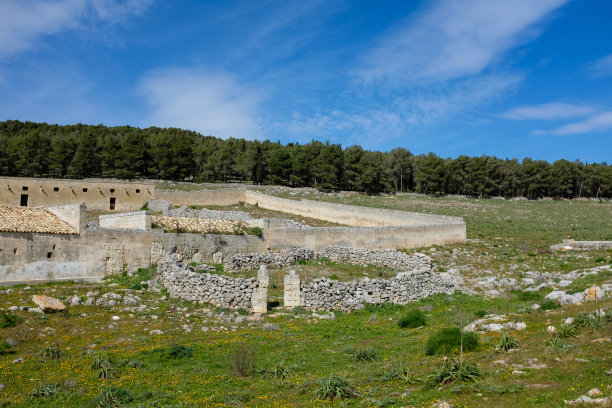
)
(179, 351)
(557, 345)
(480, 313)
(412, 319)
(9, 320)
(587, 320)
(5, 348)
(448, 340)
(451, 370)
(334, 387)
(568, 330)
(526, 296)
(549, 304)
(280, 371)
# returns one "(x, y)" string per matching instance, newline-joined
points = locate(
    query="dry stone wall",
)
(389, 258)
(223, 291)
(247, 262)
(406, 287)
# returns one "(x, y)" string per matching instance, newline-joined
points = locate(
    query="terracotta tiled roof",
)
(26, 219)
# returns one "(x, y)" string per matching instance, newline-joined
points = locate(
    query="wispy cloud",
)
(23, 23)
(548, 111)
(454, 39)
(213, 103)
(597, 123)
(602, 67)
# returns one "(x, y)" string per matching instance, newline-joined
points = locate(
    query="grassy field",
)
(284, 359)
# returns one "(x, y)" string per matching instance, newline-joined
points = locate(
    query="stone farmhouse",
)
(45, 234)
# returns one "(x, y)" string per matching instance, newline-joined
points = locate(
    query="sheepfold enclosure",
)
(368, 228)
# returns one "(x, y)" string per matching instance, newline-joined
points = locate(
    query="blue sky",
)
(511, 78)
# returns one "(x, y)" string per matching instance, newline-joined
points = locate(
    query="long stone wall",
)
(372, 227)
(98, 195)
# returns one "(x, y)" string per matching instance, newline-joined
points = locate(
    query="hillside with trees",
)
(30, 149)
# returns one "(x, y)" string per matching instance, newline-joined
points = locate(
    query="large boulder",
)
(48, 304)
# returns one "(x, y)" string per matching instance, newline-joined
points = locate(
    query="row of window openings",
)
(24, 201)
(112, 190)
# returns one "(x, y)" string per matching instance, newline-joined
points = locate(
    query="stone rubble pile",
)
(247, 262)
(406, 287)
(222, 291)
(107, 299)
(389, 258)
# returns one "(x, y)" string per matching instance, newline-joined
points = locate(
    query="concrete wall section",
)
(133, 220)
(413, 236)
(204, 198)
(97, 195)
(353, 215)
(30, 258)
(73, 214)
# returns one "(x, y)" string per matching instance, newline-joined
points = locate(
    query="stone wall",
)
(72, 214)
(570, 244)
(133, 220)
(247, 262)
(397, 260)
(406, 287)
(223, 291)
(200, 248)
(96, 194)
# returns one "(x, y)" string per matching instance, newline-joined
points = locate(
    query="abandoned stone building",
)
(45, 233)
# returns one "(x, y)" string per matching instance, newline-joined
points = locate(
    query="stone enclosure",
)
(123, 239)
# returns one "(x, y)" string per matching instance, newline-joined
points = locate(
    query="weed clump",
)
(113, 397)
(179, 351)
(506, 343)
(555, 344)
(5, 348)
(45, 390)
(449, 339)
(367, 354)
(243, 360)
(50, 351)
(549, 304)
(103, 366)
(480, 313)
(451, 370)
(279, 371)
(412, 319)
(335, 387)
(9, 320)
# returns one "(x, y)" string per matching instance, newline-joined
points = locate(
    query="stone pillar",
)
(218, 258)
(259, 299)
(292, 296)
(157, 252)
(115, 264)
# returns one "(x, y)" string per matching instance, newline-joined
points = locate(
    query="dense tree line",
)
(79, 151)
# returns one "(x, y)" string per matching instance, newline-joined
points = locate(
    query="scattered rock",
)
(48, 304)
(156, 332)
(18, 360)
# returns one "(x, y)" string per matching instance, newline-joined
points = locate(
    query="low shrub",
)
(555, 344)
(50, 351)
(549, 304)
(8, 320)
(506, 343)
(412, 319)
(335, 387)
(568, 330)
(243, 360)
(480, 313)
(113, 397)
(179, 351)
(5, 348)
(587, 321)
(280, 371)
(527, 296)
(400, 371)
(45, 390)
(103, 365)
(451, 370)
(364, 355)
(449, 339)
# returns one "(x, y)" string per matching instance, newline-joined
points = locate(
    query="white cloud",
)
(212, 103)
(602, 67)
(23, 23)
(548, 111)
(596, 123)
(454, 39)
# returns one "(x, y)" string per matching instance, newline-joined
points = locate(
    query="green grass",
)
(289, 366)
